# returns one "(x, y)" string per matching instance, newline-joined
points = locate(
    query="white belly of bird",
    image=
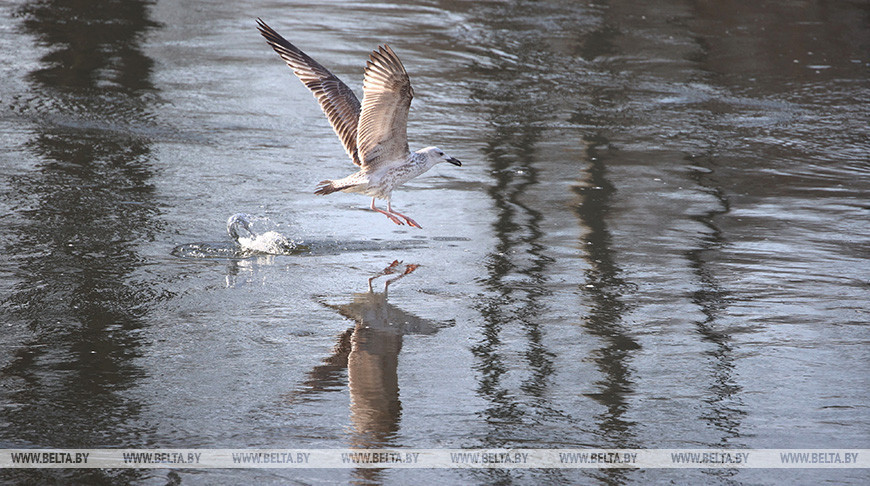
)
(381, 183)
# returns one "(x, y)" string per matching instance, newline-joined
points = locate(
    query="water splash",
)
(251, 236)
(258, 235)
(254, 234)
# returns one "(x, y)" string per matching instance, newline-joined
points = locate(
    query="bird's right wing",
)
(341, 106)
(383, 123)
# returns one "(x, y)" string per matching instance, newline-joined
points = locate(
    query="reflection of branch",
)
(725, 404)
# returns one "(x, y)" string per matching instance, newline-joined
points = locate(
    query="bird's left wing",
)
(341, 106)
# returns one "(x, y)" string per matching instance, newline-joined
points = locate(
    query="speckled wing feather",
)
(341, 106)
(382, 135)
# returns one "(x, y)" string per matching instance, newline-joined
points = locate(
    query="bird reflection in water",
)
(370, 352)
(373, 361)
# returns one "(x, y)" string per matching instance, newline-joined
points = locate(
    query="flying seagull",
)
(373, 133)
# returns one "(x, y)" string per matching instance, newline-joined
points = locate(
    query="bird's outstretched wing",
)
(382, 134)
(341, 106)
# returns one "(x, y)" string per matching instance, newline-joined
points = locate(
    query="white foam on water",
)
(270, 242)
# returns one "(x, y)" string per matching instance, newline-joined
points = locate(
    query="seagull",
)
(375, 132)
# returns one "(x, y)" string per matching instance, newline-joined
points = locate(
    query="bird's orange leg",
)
(388, 213)
(410, 221)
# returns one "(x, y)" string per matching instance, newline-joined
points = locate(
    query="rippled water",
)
(658, 238)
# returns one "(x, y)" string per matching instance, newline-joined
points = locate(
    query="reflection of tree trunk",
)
(606, 288)
(510, 99)
(84, 207)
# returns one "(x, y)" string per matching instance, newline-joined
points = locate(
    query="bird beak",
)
(455, 162)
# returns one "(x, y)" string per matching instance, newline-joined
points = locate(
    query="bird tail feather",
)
(328, 187)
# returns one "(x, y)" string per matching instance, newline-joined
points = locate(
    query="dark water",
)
(658, 238)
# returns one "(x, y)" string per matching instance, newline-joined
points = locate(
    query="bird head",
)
(435, 156)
